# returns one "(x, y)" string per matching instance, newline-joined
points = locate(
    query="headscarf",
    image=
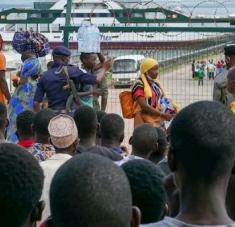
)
(145, 66)
(31, 67)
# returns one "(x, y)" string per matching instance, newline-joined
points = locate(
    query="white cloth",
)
(50, 167)
(127, 159)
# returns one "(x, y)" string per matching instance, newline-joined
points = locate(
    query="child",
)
(201, 75)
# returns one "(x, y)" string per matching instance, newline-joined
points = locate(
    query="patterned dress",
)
(42, 152)
(21, 100)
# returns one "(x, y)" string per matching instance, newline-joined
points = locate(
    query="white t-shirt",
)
(50, 167)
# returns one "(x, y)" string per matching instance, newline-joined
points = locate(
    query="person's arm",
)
(101, 59)
(36, 106)
(90, 78)
(148, 109)
(101, 73)
(4, 86)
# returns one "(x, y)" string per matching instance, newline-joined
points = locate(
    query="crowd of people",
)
(209, 70)
(63, 162)
(73, 171)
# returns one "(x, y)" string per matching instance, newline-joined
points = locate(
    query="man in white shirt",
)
(64, 137)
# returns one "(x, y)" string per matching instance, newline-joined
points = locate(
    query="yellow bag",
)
(127, 104)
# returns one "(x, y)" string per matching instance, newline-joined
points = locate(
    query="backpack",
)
(127, 104)
(33, 42)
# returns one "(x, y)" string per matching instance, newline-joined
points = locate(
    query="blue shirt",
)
(52, 85)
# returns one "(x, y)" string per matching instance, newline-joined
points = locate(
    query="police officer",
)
(220, 92)
(52, 82)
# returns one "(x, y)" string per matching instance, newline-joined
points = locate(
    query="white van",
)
(126, 69)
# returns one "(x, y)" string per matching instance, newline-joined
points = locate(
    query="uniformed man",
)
(52, 82)
(220, 92)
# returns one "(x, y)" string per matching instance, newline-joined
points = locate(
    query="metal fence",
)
(174, 45)
(175, 67)
(175, 41)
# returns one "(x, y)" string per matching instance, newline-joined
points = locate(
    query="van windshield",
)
(125, 66)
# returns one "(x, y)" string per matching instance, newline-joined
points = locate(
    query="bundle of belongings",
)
(33, 42)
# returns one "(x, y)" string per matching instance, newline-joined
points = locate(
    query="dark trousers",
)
(211, 75)
(200, 81)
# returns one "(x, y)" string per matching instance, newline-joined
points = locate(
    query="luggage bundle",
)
(34, 42)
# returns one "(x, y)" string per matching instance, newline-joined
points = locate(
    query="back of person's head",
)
(100, 114)
(144, 140)
(63, 133)
(3, 116)
(147, 189)
(202, 142)
(50, 64)
(95, 192)
(21, 182)
(112, 128)
(41, 121)
(26, 55)
(162, 146)
(86, 121)
(24, 123)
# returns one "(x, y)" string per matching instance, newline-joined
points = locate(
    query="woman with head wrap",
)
(22, 99)
(147, 93)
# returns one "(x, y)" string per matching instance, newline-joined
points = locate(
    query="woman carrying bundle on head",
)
(22, 99)
(150, 104)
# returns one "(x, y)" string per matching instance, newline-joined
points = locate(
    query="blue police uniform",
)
(51, 83)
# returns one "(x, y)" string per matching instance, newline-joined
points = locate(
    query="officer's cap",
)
(61, 51)
(229, 49)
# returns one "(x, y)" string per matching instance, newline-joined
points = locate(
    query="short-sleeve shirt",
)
(138, 91)
(2, 68)
(51, 83)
